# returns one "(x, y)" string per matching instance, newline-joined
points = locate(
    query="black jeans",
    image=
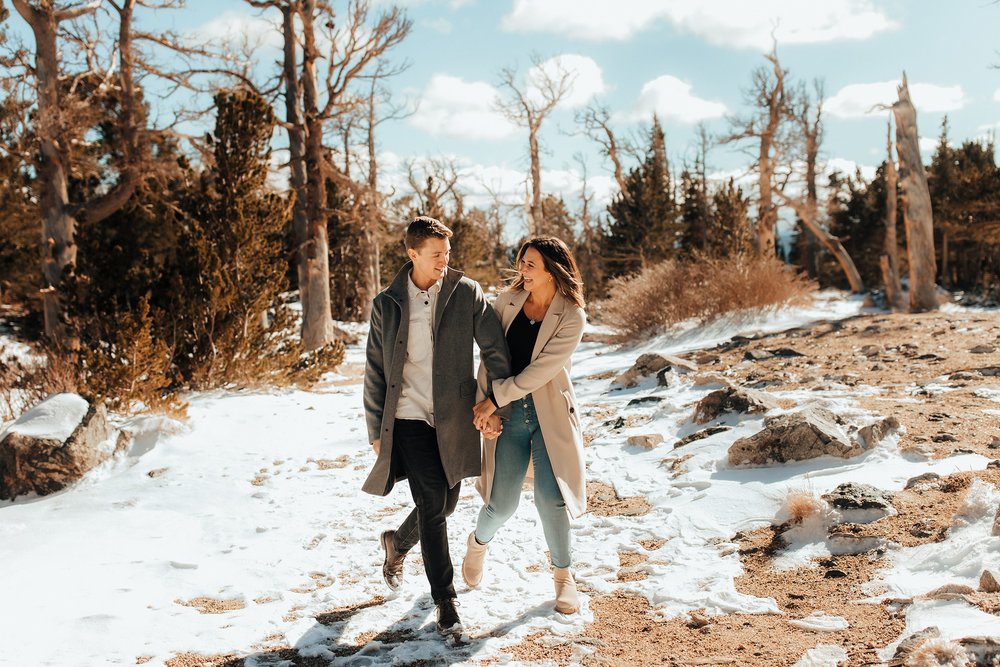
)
(415, 442)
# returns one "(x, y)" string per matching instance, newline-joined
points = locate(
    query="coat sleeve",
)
(374, 391)
(488, 332)
(554, 356)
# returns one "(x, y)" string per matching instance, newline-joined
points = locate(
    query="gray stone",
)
(797, 436)
(732, 399)
(647, 440)
(646, 364)
(858, 496)
(920, 479)
(873, 434)
(983, 349)
(988, 583)
(996, 522)
(699, 435)
(43, 465)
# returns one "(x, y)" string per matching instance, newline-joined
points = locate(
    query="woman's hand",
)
(493, 428)
(481, 412)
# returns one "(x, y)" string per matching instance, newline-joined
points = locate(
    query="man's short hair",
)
(422, 228)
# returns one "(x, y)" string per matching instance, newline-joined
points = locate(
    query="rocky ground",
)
(938, 375)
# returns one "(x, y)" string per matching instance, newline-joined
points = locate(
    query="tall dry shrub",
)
(703, 289)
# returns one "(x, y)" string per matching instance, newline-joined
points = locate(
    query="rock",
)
(983, 349)
(843, 544)
(700, 435)
(797, 436)
(919, 479)
(646, 364)
(648, 440)
(873, 434)
(645, 399)
(989, 371)
(992, 465)
(54, 444)
(732, 399)
(872, 350)
(996, 522)
(949, 592)
(835, 574)
(786, 352)
(944, 437)
(982, 650)
(912, 643)
(995, 444)
(988, 583)
(860, 503)
(962, 376)
(756, 355)
(930, 356)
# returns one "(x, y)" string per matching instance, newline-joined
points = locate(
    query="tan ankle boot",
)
(472, 564)
(567, 601)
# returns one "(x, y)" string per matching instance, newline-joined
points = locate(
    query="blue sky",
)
(689, 61)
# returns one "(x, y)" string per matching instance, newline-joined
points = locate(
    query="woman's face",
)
(532, 268)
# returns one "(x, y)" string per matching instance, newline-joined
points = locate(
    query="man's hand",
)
(377, 446)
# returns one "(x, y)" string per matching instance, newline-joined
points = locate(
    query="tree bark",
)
(371, 269)
(917, 216)
(314, 253)
(536, 225)
(296, 147)
(890, 260)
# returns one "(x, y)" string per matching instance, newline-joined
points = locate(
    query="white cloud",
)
(860, 99)
(928, 145)
(996, 95)
(672, 99)
(235, 28)
(441, 25)
(451, 106)
(734, 23)
(587, 80)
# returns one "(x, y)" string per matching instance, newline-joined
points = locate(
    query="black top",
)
(521, 337)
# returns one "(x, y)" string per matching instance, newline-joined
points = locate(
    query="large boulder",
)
(652, 364)
(732, 399)
(54, 444)
(797, 436)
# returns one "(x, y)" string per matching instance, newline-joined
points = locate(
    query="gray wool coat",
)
(461, 316)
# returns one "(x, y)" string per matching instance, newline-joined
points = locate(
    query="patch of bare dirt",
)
(603, 500)
(212, 605)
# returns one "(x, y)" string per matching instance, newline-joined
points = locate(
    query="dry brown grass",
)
(703, 289)
(801, 505)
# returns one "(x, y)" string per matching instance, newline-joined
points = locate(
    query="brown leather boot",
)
(567, 601)
(473, 563)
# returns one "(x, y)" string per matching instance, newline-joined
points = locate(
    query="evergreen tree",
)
(695, 214)
(729, 231)
(645, 228)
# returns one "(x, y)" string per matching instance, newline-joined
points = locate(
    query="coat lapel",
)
(549, 324)
(514, 305)
(448, 286)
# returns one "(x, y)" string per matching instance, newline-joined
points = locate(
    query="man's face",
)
(430, 260)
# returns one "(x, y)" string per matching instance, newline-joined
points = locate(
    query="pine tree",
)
(695, 214)
(729, 232)
(645, 228)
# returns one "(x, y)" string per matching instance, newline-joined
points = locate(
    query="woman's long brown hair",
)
(558, 261)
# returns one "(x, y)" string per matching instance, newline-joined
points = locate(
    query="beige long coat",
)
(547, 380)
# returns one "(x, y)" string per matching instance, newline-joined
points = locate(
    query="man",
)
(419, 391)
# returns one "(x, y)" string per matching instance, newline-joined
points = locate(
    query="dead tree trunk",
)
(58, 216)
(890, 260)
(371, 268)
(917, 216)
(314, 253)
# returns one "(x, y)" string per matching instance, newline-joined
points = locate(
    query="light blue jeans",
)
(521, 438)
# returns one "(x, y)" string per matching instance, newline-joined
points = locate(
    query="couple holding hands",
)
(426, 410)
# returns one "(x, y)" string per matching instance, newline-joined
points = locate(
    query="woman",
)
(542, 314)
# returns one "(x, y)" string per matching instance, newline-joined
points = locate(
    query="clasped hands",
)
(488, 423)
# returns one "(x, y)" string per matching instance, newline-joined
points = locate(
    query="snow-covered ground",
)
(254, 502)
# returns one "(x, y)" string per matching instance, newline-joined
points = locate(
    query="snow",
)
(255, 500)
(819, 621)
